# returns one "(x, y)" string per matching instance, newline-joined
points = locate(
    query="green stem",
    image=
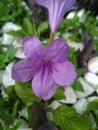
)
(51, 38)
(34, 28)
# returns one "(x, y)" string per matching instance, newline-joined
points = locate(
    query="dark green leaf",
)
(77, 86)
(67, 119)
(17, 125)
(96, 119)
(73, 56)
(93, 105)
(42, 27)
(38, 116)
(11, 94)
(80, 72)
(4, 116)
(59, 94)
(1, 127)
(15, 109)
(3, 61)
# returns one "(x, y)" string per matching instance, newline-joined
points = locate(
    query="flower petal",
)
(58, 50)
(33, 46)
(64, 74)
(57, 9)
(43, 84)
(44, 3)
(24, 70)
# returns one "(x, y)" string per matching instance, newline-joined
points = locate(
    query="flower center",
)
(47, 59)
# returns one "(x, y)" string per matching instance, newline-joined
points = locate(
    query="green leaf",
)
(59, 94)
(96, 119)
(67, 119)
(73, 56)
(80, 72)
(11, 94)
(18, 33)
(93, 105)
(25, 93)
(4, 116)
(27, 26)
(78, 86)
(15, 109)
(17, 125)
(3, 61)
(1, 127)
(42, 27)
(11, 51)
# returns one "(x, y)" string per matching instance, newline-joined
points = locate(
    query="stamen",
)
(46, 59)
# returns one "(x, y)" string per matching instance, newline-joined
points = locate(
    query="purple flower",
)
(57, 9)
(49, 66)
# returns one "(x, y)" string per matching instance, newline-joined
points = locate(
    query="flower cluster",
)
(48, 65)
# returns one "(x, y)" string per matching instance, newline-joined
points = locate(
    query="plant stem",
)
(51, 38)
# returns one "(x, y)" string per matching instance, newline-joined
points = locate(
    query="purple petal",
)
(33, 46)
(24, 70)
(44, 3)
(43, 84)
(64, 74)
(57, 9)
(58, 50)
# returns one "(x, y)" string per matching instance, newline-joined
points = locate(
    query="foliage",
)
(67, 119)
(21, 95)
(77, 86)
(25, 93)
(14, 11)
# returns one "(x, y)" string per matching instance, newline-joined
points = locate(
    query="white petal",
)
(93, 65)
(88, 90)
(92, 79)
(70, 96)
(81, 105)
